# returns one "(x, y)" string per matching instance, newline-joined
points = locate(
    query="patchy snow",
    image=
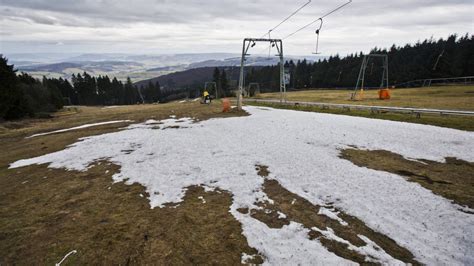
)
(281, 215)
(246, 258)
(332, 214)
(301, 150)
(202, 199)
(372, 250)
(79, 127)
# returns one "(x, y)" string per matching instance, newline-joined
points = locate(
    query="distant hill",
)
(137, 67)
(87, 66)
(168, 68)
(57, 67)
(190, 78)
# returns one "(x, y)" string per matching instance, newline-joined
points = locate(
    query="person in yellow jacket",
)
(207, 98)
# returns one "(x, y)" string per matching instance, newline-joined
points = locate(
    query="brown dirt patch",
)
(300, 210)
(57, 211)
(262, 170)
(453, 179)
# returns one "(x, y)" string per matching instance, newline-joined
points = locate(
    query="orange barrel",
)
(384, 94)
(225, 105)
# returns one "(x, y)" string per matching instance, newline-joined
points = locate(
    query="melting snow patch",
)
(171, 160)
(245, 258)
(202, 199)
(79, 127)
(332, 215)
(281, 215)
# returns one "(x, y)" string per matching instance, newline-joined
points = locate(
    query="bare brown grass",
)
(47, 213)
(449, 97)
(453, 179)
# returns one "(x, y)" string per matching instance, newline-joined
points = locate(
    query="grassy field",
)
(46, 213)
(453, 98)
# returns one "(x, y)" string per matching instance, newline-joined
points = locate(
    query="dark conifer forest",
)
(443, 58)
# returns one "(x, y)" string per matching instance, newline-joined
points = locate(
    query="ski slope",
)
(301, 150)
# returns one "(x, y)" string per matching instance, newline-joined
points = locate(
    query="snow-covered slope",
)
(301, 150)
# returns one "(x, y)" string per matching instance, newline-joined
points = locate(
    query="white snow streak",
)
(79, 127)
(332, 214)
(301, 150)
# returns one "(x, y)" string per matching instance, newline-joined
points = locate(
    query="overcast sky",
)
(179, 26)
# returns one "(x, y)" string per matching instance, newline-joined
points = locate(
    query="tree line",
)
(22, 95)
(443, 58)
(222, 84)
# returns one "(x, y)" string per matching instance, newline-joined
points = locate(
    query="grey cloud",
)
(109, 12)
(98, 22)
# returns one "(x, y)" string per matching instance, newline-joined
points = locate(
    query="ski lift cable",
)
(287, 18)
(316, 20)
(311, 23)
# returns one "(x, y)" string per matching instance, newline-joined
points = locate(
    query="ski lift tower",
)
(361, 79)
(251, 42)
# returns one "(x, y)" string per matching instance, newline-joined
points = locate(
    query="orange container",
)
(384, 94)
(225, 105)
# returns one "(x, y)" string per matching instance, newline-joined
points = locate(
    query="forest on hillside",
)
(443, 58)
(22, 95)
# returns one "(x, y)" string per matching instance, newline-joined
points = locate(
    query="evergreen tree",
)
(157, 92)
(216, 77)
(130, 93)
(11, 97)
(224, 84)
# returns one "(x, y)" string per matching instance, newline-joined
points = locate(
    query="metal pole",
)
(282, 72)
(383, 76)
(359, 78)
(386, 68)
(364, 67)
(241, 79)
